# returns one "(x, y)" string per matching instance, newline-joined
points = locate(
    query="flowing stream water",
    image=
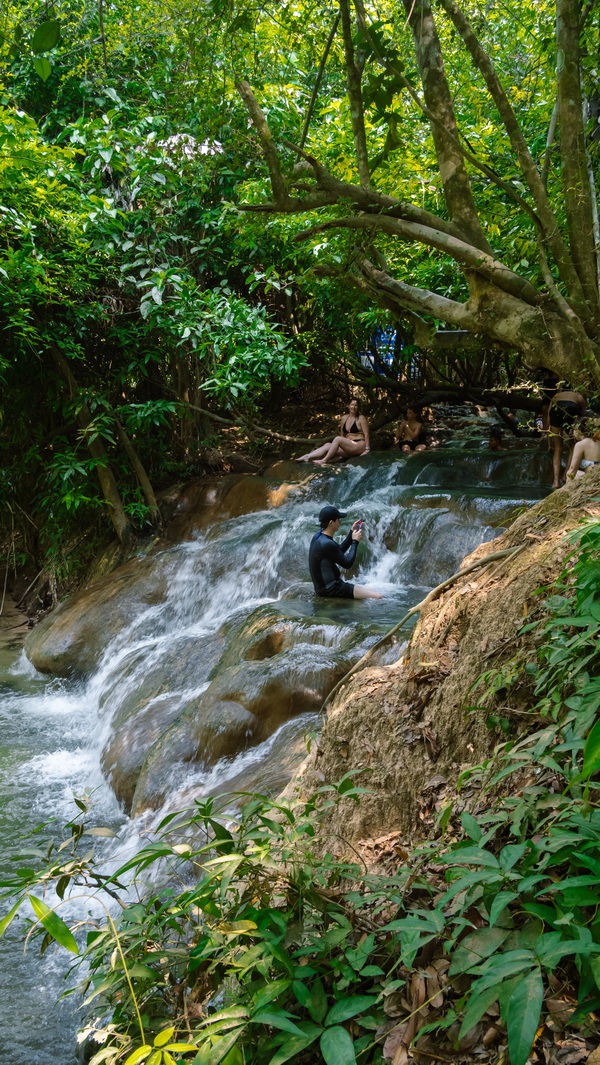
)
(240, 576)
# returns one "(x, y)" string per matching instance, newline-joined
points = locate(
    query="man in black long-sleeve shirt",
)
(325, 556)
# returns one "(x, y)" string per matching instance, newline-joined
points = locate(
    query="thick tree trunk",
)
(353, 74)
(457, 188)
(537, 187)
(578, 199)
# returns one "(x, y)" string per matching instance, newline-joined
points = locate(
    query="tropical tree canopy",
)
(201, 200)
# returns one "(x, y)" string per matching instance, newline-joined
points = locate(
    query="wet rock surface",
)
(414, 724)
(73, 638)
(218, 651)
(274, 670)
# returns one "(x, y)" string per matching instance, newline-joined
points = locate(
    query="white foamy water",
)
(423, 513)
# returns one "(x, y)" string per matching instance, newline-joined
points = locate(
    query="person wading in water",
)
(325, 556)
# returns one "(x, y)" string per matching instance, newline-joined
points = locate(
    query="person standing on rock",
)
(325, 556)
(566, 408)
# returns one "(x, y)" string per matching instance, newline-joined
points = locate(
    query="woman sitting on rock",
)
(586, 452)
(410, 433)
(353, 439)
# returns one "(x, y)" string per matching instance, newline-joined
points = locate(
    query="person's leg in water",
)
(316, 454)
(360, 592)
(556, 435)
(342, 447)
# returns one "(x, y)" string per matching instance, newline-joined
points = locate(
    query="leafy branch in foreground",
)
(249, 944)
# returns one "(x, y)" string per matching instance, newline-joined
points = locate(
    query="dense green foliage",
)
(148, 283)
(296, 954)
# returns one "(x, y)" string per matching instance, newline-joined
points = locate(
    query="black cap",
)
(330, 514)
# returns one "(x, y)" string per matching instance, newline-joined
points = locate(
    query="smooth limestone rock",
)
(269, 691)
(143, 699)
(200, 736)
(275, 667)
(73, 638)
(200, 505)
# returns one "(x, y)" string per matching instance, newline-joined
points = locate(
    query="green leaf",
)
(476, 1008)
(500, 903)
(272, 991)
(471, 827)
(54, 924)
(595, 967)
(510, 963)
(524, 1010)
(337, 1047)
(318, 1002)
(295, 1044)
(138, 1055)
(46, 37)
(346, 1008)
(476, 947)
(4, 923)
(276, 1019)
(229, 1013)
(220, 1048)
(164, 1036)
(591, 751)
(511, 854)
(42, 67)
(474, 856)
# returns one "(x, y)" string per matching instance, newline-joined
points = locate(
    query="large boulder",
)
(201, 736)
(146, 692)
(274, 669)
(72, 639)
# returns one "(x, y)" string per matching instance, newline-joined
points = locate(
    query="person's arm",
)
(575, 459)
(364, 425)
(342, 554)
(398, 435)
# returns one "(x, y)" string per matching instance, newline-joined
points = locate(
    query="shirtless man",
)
(566, 407)
(325, 556)
(410, 434)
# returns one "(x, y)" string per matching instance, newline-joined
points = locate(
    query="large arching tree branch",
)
(465, 254)
(548, 220)
(535, 331)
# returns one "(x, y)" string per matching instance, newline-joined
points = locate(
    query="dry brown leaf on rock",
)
(394, 1040)
(560, 1010)
(570, 1051)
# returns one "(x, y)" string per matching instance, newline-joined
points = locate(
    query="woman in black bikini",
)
(352, 441)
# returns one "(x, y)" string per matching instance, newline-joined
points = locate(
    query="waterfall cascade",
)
(210, 680)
